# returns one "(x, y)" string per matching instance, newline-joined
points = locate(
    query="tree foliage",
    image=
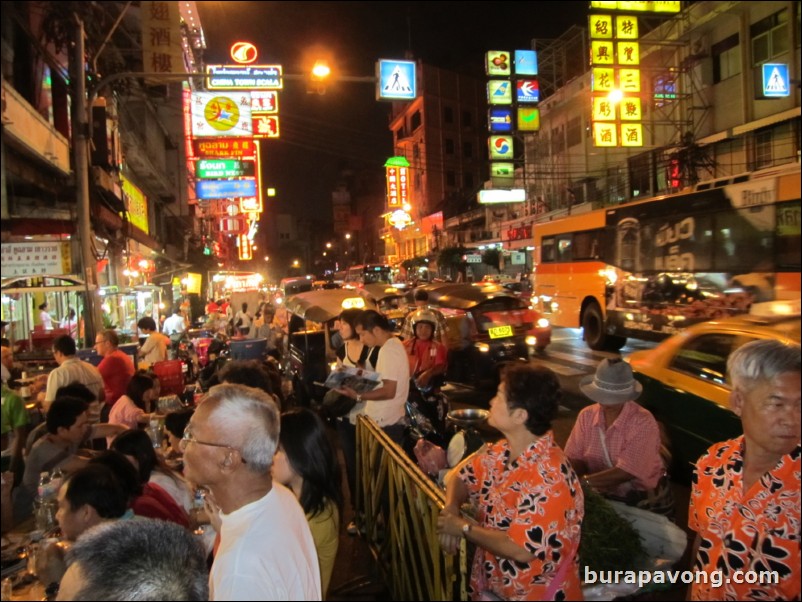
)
(451, 257)
(492, 257)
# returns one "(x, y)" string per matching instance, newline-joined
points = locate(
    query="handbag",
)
(335, 405)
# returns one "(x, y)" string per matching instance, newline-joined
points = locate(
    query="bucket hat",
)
(612, 384)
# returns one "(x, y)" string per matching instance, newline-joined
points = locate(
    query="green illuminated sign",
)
(223, 168)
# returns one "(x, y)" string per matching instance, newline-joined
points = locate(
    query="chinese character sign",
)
(615, 84)
(34, 258)
(397, 186)
(161, 38)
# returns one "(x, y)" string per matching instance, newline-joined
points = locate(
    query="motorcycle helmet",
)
(423, 315)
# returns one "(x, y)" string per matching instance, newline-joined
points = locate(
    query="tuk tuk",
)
(487, 327)
(391, 301)
(310, 329)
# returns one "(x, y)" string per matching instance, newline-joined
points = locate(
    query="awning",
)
(18, 285)
(766, 121)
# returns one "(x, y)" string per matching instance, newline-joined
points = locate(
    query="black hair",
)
(350, 317)
(43, 305)
(63, 413)
(77, 390)
(176, 422)
(65, 345)
(98, 487)
(140, 383)
(137, 443)
(247, 372)
(421, 295)
(370, 319)
(303, 438)
(535, 389)
(146, 323)
(122, 469)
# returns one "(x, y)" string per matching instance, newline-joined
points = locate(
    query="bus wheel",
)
(593, 327)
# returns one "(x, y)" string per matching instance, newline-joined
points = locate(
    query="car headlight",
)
(483, 347)
(531, 340)
(542, 323)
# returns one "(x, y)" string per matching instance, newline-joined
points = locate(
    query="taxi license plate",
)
(500, 332)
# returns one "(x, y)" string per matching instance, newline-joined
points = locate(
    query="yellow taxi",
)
(685, 383)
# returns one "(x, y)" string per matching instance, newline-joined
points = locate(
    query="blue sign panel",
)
(499, 119)
(775, 80)
(525, 62)
(225, 189)
(395, 80)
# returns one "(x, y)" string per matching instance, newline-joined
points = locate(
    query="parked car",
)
(310, 329)
(685, 383)
(502, 328)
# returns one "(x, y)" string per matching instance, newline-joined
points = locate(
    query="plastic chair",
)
(249, 349)
(89, 355)
(171, 376)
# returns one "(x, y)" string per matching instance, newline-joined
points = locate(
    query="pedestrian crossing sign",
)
(395, 80)
(775, 80)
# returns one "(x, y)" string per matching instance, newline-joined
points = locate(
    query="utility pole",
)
(80, 132)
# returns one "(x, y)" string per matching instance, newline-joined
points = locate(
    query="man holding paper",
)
(385, 403)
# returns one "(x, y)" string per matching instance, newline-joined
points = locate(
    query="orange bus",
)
(650, 268)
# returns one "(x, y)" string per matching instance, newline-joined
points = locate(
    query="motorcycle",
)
(181, 348)
(426, 411)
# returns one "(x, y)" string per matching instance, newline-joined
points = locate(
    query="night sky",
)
(320, 134)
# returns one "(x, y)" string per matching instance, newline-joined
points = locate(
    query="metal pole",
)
(81, 141)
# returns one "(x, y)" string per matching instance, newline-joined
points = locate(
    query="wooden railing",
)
(398, 507)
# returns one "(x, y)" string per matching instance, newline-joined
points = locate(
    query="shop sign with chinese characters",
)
(615, 88)
(32, 258)
(235, 148)
(397, 175)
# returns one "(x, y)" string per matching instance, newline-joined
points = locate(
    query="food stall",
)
(21, 297)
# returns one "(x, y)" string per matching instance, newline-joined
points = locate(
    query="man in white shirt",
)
(71, 369)
(266, 548)
(175, 324)
(386, 403)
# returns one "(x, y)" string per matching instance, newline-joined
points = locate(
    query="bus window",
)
(587, 245)
(547, 252)
(788, 235)
(564, 247)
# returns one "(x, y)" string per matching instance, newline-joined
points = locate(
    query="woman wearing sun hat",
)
(615, 443)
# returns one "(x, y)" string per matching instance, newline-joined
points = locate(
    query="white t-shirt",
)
(174, 325)
(266, 552)
(392, 365)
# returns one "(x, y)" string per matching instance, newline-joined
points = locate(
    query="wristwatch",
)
(359, 397)
(466, 528)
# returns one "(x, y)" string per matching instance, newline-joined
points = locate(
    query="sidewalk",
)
(355, 575)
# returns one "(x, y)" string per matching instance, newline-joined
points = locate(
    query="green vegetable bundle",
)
(609, 541)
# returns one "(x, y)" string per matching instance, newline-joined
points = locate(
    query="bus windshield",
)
(368, 274)
(650, 268)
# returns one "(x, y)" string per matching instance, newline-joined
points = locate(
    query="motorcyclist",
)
(428, 358)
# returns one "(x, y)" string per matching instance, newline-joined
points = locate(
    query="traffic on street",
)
(429, 301)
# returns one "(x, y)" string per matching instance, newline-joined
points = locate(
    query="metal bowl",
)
(468, 417)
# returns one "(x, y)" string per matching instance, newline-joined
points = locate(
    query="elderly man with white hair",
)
(266, 548)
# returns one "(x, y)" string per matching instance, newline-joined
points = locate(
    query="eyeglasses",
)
(188, 438)
(100, 341)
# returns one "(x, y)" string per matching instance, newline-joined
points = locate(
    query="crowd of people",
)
(264, 478)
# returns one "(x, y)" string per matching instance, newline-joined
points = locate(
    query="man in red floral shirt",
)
(745, 503)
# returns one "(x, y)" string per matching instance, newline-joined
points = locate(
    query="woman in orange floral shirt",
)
(529, 500)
